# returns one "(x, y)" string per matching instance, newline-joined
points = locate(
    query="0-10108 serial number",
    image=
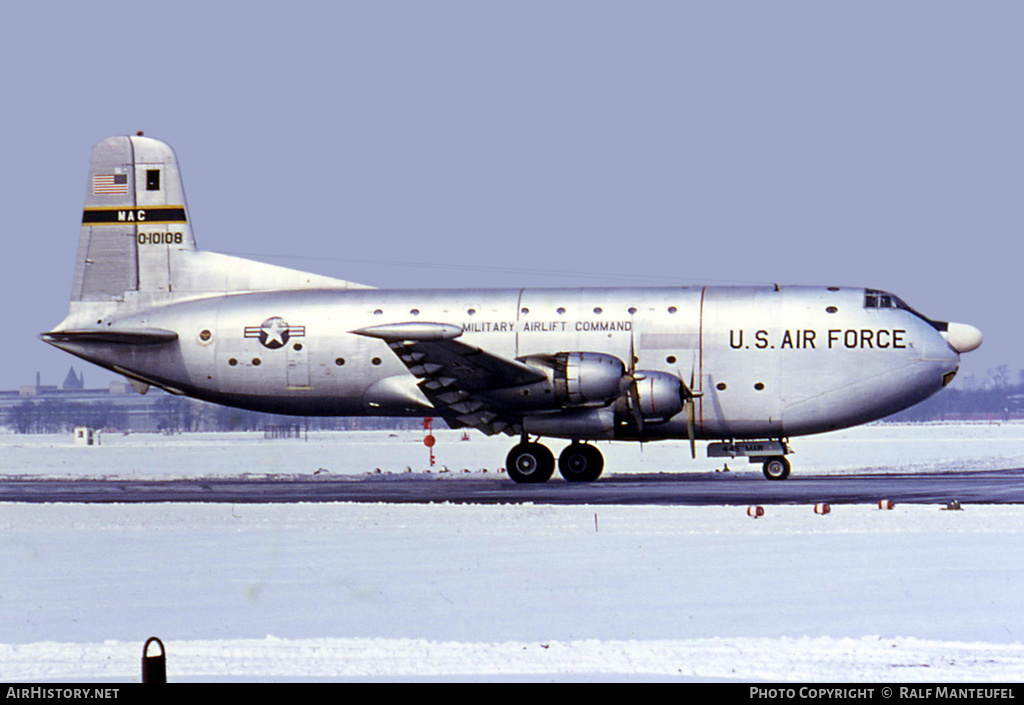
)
(159, 238)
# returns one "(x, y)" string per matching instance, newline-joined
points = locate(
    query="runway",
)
(667, 489)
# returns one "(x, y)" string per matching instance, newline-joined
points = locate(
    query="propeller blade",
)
(631, 379)
(689, 428)
(634, 401)
(687, 396)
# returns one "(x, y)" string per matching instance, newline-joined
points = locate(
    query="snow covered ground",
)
(389, 592)
(873, 448)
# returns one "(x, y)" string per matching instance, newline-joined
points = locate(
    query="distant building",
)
(73, 382)
(43, 408)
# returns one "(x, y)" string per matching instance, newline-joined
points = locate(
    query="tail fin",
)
(136, 247)
(135, 214)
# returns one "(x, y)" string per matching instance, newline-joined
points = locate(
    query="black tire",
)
(580, 463)
(776, 468)
(530, 463)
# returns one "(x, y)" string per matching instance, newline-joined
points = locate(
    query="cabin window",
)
(339, 361)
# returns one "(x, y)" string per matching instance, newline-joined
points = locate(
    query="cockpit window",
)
(878, 299)
(873, 298)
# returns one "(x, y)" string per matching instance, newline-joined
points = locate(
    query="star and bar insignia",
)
(274, 332)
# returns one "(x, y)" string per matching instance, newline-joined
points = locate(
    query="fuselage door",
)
(298, 364)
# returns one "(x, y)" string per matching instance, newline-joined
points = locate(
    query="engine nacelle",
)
(660, 395)
(574, 423)
(581, 378)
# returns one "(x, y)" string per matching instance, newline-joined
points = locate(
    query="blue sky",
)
(462, 144)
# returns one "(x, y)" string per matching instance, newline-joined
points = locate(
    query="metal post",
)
(154, 668)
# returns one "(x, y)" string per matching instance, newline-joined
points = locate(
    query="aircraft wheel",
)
(530, 463)
(580, 463)
(776, 468)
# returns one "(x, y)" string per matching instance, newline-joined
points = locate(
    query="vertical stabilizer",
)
(136, 247)
(134, 216)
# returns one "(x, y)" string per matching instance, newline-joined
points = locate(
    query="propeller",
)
(629, 381)
(687, 395)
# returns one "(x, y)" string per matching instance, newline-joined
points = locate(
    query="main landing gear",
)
(531, 462)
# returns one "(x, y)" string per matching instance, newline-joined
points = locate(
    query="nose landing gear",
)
(772, 455)
(776, 468)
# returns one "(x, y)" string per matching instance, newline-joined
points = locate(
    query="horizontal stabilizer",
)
(135, 336)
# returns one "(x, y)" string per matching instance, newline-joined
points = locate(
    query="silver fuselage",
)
(762, 361)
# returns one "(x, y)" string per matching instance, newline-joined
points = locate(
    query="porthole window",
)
(831, 309)
(375, 361)
(414, 312)
(671, 309)
(256, 362)
(632, 310)
(561, 310)
(599, 310)
(471, 311)
(233, 362)
(377, 312)
(297, 347)
(339, 361)
(524, 311)
(671, 359)
(759, 386)
(720, 386)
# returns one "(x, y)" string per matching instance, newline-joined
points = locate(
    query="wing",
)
(455, 377)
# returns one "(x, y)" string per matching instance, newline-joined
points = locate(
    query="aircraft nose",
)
(963, 337)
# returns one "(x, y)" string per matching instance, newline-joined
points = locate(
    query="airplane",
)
(744, 368)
